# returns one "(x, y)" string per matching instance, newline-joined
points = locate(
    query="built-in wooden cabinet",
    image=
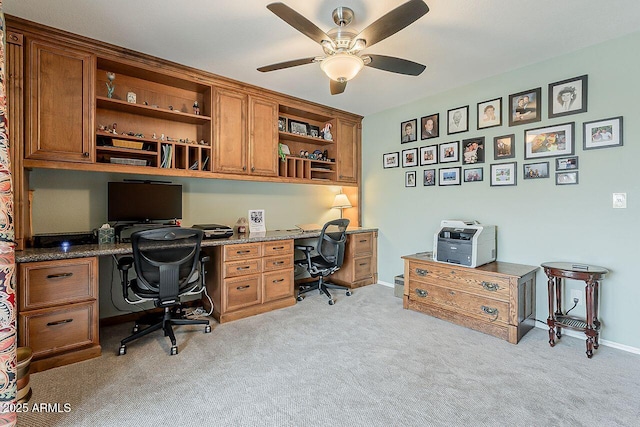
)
(359, 267)
(263, 137)
(348, 132)
(59, 102)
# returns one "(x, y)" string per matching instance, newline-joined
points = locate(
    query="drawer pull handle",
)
(490, 286)
(277, 248)
(421, 293)
(278, 262)
(490, 311)
(421, 272)
(240, 288)
(363, 263)
(246, 267)
(243, 252)
(363, 241)
(278, 280)
(59, 275)
(60, 322)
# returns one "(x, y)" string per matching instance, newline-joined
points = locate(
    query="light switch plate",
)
(619, 200)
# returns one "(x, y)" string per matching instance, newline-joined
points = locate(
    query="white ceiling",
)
(460, 41)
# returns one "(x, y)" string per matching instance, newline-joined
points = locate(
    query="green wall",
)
(537, 221)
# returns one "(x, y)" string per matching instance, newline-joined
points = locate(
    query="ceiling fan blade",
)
(396, 65)
(394, 21)
(337, 87)
(298, 22)
(287, 64)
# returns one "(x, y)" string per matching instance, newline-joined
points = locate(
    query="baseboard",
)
(580, 335)
(387, 284)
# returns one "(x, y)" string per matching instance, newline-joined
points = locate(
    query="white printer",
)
(466, 243)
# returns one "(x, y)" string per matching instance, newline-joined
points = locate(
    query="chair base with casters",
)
(169, 266)
(330, 256)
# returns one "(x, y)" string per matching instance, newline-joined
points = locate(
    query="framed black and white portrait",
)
(410, 179)
(458, 120)
(429, 177)
(489, 113)
(408, 131)
(568, 97)
(429, 126)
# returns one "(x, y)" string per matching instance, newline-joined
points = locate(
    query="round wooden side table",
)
(591, 275)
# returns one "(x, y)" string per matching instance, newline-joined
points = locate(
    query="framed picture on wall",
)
(409, 157)
(567, 178)
(550, 141)
(410, 179)
(473, 175)
(449, 152)
(503, 174)
(390, 160)
(602, 133)
(567, 163)
(524, 107)
(408, 131)
(449, 176)
(536, 170)
(489, 113)
(458, 120)
(429, 177)
(428, 155)
(473, 150)
(429, 126)
(504, 147)
(568, 97)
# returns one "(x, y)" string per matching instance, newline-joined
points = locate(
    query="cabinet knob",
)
(253, 168)
(85, 154)
(244, 168)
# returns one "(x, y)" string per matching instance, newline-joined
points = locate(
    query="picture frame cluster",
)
(554, 140)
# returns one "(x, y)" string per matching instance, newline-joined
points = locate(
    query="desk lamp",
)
(341, 202)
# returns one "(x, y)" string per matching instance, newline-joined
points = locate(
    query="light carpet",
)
(363, 362)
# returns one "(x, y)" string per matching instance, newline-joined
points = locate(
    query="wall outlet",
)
(576, 293)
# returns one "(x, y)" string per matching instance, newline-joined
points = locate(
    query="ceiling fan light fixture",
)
(342, 67)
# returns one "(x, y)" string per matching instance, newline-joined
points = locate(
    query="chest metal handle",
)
(490, 311)
(421, 272)
(490, 286)
(421, 293)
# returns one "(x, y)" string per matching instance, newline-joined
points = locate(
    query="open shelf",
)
(150, 111)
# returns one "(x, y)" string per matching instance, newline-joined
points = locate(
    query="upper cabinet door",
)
(348, 150)
(230, 131)
(60, 103)
(263, 137)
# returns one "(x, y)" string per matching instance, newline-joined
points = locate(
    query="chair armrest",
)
(125, 263)
(204, 258)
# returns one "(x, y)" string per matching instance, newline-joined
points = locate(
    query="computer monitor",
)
(144, 201)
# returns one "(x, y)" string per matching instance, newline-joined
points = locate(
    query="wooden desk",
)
(591, 275)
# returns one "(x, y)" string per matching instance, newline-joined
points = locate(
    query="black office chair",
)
(169, 265)
(329, 258)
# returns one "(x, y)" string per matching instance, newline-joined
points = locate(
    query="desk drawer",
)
(242, 268)
(485, 309)
(277, 262)
(362, 268)
(461, 278)
(277, 285)
(362, 243)
(277, 248)
(51, 331)
(242, 292)
(243, 251)
(51, 283)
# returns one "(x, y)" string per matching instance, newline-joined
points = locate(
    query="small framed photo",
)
(458, 120)
(473, 175)
(408, 131)
(131, 97)
(550, 141)
(490, 113)
(429, 126)
(566, 178)
(428, 155)
(429, 177)
(410, 179)
(567, 163)
(568, 97)
(504, 147)
(390, 160)
(449, 176)
(536, 170)
(298, 128)
(409, 157)
(503, 174)
(314, 131)
(282, 124)
(473, 151)
(602, 133)
(449, 152)
(524, 107)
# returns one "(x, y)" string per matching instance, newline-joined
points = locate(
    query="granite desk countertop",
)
(83, 251)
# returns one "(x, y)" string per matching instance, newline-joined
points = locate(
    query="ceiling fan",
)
(342, 45)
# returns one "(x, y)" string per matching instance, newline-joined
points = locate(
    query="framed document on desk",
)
(257, 222)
